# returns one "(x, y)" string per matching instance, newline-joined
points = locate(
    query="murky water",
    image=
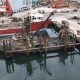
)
(53, 66)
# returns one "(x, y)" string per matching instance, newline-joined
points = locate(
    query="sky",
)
(17, 4)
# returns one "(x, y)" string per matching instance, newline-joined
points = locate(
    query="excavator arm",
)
(43, 25)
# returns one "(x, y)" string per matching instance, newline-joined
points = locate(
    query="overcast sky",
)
(17, 4)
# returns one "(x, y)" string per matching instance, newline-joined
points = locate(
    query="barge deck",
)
(39, 44)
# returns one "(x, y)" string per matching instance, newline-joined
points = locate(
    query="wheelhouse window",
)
(33, 18)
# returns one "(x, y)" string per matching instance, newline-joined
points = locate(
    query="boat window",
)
(39, 17)
(33, 18)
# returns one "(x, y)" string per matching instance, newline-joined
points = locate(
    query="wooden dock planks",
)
(37, 49)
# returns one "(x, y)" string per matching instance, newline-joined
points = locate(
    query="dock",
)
(42, 49)
(37, 44)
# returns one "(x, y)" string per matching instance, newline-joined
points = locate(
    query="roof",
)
(51, 33)
(36, 14)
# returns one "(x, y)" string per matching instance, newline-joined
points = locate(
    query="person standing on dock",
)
(27, 24)
(64, 33)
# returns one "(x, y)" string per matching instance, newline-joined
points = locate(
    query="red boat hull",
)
(10, 31)
(38, 25)
(33, 27)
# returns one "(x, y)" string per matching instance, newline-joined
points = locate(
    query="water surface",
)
(53, 66)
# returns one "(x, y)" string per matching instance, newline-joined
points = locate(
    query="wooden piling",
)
(7, 48)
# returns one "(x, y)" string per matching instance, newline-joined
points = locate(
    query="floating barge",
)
(39, 41)
(39, 44)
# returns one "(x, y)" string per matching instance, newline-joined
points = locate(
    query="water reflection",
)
(41, 62)
(9, 66)
(63, 56)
